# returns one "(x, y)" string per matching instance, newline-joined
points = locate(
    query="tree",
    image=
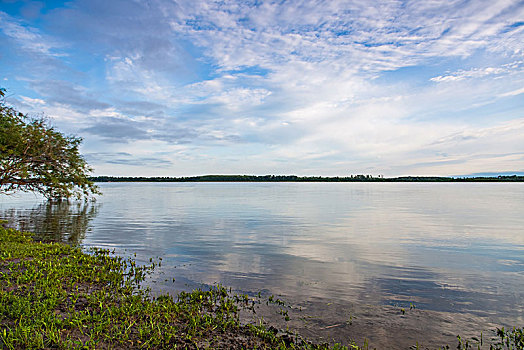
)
(35, 157)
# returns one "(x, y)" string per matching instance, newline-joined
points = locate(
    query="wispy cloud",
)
(325, 87)
(124, 158)
(28, 38)
(514, 67)
(513, 93)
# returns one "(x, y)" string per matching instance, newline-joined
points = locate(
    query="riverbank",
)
(57, 296)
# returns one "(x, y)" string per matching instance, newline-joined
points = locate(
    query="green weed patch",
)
(57, 296)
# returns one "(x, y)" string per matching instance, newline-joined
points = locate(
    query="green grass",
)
(56, 296)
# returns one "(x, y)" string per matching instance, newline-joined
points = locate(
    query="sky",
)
(329, 88)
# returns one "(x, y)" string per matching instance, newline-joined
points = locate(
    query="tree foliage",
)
(35, 157)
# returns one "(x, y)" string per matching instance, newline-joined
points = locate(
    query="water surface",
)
(448, 248)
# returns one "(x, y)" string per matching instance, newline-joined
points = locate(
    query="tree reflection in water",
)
(62, 221)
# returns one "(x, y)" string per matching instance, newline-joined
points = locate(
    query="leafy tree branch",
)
(35, 157)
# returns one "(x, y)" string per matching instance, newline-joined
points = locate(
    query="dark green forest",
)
(294, 178)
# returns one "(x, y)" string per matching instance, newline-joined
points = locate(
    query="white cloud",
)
(369, 36)
(33, 102)
(28, 37)
(512, 93)
(300, 84)
(509, 68)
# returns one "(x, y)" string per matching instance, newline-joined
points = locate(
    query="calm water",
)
(451, 248)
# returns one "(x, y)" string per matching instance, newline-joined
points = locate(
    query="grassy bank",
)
(57, 296)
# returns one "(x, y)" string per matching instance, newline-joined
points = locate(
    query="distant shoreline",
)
(294, 178)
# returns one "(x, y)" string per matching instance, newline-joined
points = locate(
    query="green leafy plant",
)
(35, 157)
(57, 296)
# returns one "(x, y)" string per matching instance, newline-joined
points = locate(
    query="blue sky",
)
(179, 88)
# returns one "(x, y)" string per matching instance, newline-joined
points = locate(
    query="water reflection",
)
(64, 221)
(454, 250)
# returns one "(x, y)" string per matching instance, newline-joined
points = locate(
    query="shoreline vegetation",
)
(54, 295)
(294, 178)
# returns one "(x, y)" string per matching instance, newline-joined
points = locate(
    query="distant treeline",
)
(294, 178)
